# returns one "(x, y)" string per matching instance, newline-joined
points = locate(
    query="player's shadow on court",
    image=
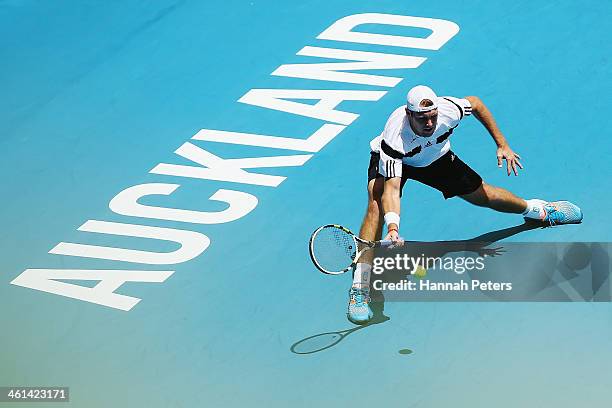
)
(323, 341)
(496, 235)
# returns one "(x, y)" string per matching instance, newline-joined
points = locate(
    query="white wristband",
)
(392, 218)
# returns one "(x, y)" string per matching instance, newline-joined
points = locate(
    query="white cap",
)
(417, 94)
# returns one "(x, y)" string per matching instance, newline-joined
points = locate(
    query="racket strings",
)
(334, 249)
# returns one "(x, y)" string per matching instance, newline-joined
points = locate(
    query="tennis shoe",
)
(359, 311)
(561, 212)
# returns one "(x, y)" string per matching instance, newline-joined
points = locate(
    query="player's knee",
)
(491, 193)
(374, 208)
(480, 196)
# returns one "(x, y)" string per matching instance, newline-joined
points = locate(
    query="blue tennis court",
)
(207, 292)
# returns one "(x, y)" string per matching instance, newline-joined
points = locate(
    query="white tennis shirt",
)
(413, 150)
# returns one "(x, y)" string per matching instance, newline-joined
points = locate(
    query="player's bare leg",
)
(371, 227)
(496, 198)
(499, 199)
(359, 310)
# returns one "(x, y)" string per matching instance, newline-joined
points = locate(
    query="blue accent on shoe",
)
(562, 212)
(359, 311)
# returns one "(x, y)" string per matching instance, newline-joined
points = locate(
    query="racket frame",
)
(365, 246)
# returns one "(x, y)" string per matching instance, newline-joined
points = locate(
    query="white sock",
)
(361, 276)
(535, 209)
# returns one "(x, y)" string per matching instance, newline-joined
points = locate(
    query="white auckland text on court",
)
(208, 166)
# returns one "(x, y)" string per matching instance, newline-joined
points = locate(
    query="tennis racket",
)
(335, 249)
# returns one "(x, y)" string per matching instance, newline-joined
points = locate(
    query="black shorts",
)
(448, 174)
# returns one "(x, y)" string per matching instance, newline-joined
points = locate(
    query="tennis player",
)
(415, 144)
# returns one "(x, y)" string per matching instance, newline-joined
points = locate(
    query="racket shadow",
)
(323, 341)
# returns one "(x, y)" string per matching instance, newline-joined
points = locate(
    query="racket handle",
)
(386, 243)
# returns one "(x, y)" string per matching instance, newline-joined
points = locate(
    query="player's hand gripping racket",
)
(335, 249)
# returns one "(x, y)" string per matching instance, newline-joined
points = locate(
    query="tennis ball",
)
(420, 272)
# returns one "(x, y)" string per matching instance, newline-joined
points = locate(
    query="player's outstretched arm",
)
(391, 207)
(504, 152)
